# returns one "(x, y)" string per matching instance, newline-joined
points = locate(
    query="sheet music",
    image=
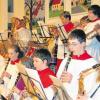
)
(34, 74)
(44, 31)
(9, 79)
(33, 35)
(61, 29)
(48, 91)
(36, 36)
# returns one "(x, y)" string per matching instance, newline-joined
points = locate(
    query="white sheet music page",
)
(36, 36)
(34, 74)
(44, 29)
(61, 29)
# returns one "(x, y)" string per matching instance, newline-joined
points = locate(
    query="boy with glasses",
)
(80, 60)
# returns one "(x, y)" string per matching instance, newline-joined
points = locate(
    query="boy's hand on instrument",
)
(66, 77)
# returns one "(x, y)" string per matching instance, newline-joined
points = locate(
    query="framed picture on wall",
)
(56, 7)
(34, 11)
(79, 6)
(53, 9)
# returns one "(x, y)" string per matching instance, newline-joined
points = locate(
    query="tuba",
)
(85, 73)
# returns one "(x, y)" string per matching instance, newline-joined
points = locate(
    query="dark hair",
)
(78, 34)
(66, 14)
(95, 9)
(17, 49)
(43, 54)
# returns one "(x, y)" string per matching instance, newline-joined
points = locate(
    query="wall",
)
(18, 8)
(3, 18)
(75, 17)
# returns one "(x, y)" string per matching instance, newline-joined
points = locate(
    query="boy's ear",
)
(17, 53)
(84, 44)
(45, 61)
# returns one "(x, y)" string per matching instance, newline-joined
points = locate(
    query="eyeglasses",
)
(73, 44)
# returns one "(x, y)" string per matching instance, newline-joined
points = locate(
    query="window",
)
(10, 5)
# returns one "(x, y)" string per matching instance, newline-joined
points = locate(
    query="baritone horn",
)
(85, 73)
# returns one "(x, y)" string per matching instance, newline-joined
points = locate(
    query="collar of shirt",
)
(83, 56)
(15, 61)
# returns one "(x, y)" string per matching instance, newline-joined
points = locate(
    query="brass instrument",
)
(24, 95)
(81, 85)
(51, 44)
(98, 78)
(93, 33)
(60, 92)
(85, 73)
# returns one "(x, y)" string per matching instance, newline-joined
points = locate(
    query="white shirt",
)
(75, 67)
(97, 94)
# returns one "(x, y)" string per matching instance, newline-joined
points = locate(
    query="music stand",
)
(63, 36)
(33, 86)
(44, 29)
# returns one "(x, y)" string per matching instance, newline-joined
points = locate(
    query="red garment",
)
(69, 27)
(15, 61)
(44, 76)
(84, 56)
(30, 51)
(96, 20)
